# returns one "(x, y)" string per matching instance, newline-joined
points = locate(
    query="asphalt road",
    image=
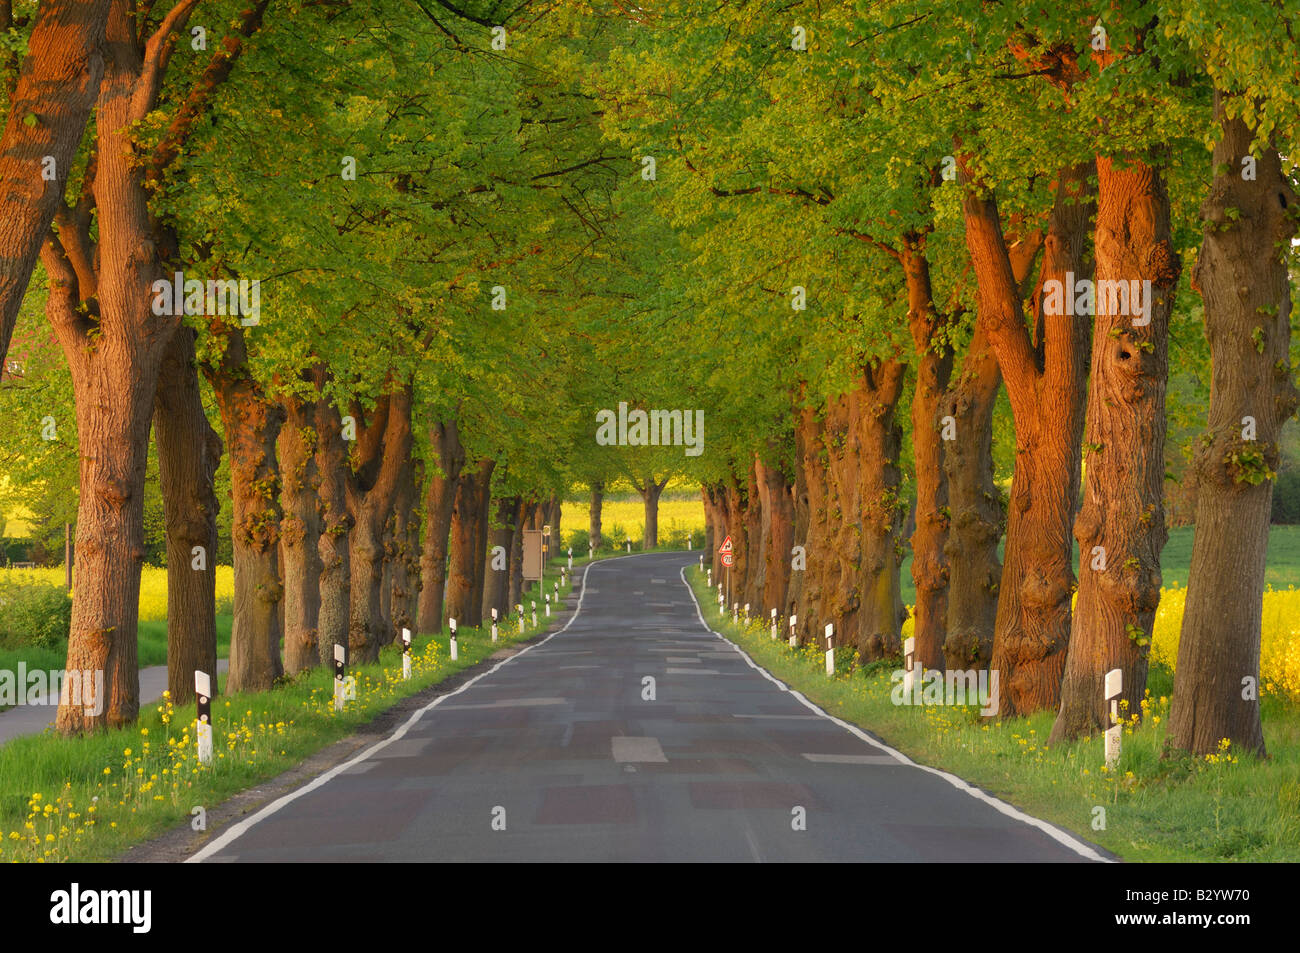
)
(558, 746)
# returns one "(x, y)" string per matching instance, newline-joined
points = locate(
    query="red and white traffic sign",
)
(727, 552)
(726, 545)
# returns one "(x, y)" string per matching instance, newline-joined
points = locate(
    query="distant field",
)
(680, 513)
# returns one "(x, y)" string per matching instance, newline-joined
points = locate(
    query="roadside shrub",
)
(1286, 498)
(39, 614)
(577, 540)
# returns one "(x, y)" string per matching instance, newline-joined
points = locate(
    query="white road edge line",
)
(1067, 840)
(230, 834)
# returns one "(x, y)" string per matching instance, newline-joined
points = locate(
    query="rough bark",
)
(755, 541)
(403, 547)
(650, 490)
(482, 525)
(1242, 277)
(383, 450)
(977, 509)
(444, 437)
(48, 108)
(777, 532)
(1123, 510)
(252, 425)
(597, 499)
(336, 524)
(1046, 383)
(300, 532)
(496, 590)
(189, 452)
(464, 595)
(526, 511)
(933, 370)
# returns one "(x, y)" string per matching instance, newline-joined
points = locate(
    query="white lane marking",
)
(627, 749)
(228, 836)
(511, 703)
(852, 759)
(783, 717)
(692, 671)
(681, 660)
(1061, 837)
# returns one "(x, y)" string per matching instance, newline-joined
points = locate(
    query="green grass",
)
(1156, 809)
(155, 786)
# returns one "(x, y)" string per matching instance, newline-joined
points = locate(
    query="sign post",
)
(406, 654)
(451, 624)
(203, 733)
(1114, 685)
(728, 554)
(340, 667)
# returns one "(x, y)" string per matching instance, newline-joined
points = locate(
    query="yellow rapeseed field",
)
(153, 587)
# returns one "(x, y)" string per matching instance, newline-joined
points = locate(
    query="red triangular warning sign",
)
(726, 545)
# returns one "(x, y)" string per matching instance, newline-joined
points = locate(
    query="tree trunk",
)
(597, 498)
(189, 452)
(650, 489)
(1123, 510)
(251, 425)
(56, 88)
(336, 524)
(933, 369)
(383, 450)
(1242, 277)
(1046, 386)
(977, 510)
(405, 546)
(755, 540)
(496, 590)
(445, 440)
(778, 535)
(709, 544)
(482, 525)
(517, 554)
(300, 533)
(466, 557)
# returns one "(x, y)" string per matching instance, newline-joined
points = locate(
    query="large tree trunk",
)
(814, 584)
(1242, 278)
(526, 510)
(445, 440)
(336, 524)
(879, 442)
(464, 594)
(709, 544)
(300, 533)
(482, 526)
(778, 535)
(1123, 510)
(933, 369)
(597, 498)
(755, 540)
(56, 88)
(383, 450)
(1046, 382)
(496, 589)
(650, 489)
(977, 510)
(189, 452)
(403, 547)
(252, 425)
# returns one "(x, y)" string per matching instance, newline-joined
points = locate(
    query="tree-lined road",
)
(560, 736)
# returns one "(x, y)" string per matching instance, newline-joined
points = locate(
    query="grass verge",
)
(1220, 808)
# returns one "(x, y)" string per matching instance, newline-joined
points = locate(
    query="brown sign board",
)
(532, 554)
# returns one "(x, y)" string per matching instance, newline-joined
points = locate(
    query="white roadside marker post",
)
(570, 557)
(629, 545)
(340, 667)
(556, 588)
(406, 654)
(735, 612)
(203, 730)
(534, 602)
(591, 551)
(548, 605)
(451, 624)
(773, 625)
(746, 613)
(830, 650)
(909, 665)
(708, 580)
(494, 625)
(794, 620)
(702, 561)
(519, 611)
(1114, 685)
